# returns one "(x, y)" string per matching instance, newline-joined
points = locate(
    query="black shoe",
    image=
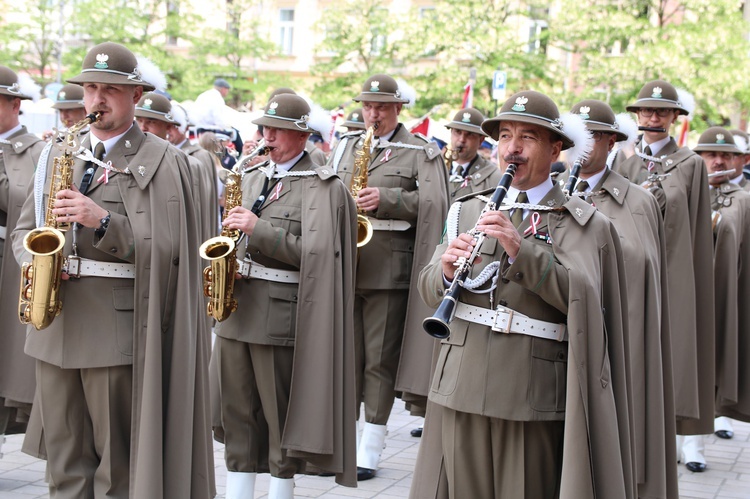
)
(364, 474)
(417, 432)
(725, 434)
(326, 473)
(696, 467)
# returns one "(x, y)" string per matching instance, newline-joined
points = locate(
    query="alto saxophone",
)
(39, 302)
(221, 253)
(359, 182)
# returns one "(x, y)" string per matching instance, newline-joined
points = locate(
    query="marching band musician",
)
(69, 103)
(469, 172)
(635, 214)
(19, 152)
(285, 357)
(742, 141)
(405, 202)
(731, 227)
(121, 398)
(512, 380)
(677, 177)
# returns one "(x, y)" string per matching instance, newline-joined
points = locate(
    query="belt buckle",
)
(73, 266)
(496, 315)
(244, 266)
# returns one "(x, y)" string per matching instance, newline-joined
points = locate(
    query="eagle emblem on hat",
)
(520, 104)
(272, 107)
(61, 96)
(720, 138)
(355, 116)
(147, 104)
(656, 93)
(584, 112)
(466, 118)
(374, 86)
(101, 61)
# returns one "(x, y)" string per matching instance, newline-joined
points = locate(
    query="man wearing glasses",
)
(679, 175)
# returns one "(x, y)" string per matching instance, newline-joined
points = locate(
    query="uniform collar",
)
(535, 194)
(10, 132)
(594, 180)
(656, 146)
(109, 144)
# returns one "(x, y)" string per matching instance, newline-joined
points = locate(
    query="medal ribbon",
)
(276, 192)
(536, 219)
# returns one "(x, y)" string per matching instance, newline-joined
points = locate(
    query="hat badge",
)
(520, 104)
(61, 96)
(147, 104)
(355, 116)
(374, 86)
(584, 112)
(168, 116)
(720, 138)
(101, 61)
(656, 93)
(466, 118)
(272, 107)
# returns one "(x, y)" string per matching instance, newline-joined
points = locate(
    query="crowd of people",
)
(586, 326)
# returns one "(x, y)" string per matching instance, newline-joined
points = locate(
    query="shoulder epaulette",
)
(472, 195)
(325, 172)
(352, 133)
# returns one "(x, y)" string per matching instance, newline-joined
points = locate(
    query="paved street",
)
(728, 476)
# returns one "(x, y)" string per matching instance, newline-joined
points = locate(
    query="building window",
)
(286, 30)
(537, 37)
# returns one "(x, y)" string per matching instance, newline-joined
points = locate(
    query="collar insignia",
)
(616, 191)
(127, 144)
(579, 212)
(142, 170)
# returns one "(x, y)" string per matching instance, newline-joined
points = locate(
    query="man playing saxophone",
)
(285, 356)
(126, 359)
(406, 202)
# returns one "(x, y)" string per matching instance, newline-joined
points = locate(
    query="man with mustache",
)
(121, 400)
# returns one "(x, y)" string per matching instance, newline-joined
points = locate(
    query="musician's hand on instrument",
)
(249, 146)
(496, 224)
(242, 219)
(368, 198)
(46, 136)
(72, 206)
(460, 247)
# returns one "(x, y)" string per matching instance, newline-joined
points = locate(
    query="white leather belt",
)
(378, 224)
(505, 320)
(253, 270)
(83, 267)
(3, 232)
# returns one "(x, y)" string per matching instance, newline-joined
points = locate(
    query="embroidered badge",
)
(142, 170)
(61, 96)
(579, 212)
(101, 61)
(127, 144)
(374, 86)
(584, 112)
(272, 107)
(669, 162)
(324, 171)
(520, 104)
(720, 138)
(551, 202)
(18, 145)
(616, 191)
(466, 118)
(147, 104)
(657, 93)
(355, 116)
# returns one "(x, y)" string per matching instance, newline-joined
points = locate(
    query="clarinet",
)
(438, 325)
(572, 178)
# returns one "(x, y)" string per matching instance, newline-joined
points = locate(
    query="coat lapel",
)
(121, 155)
(380, 154)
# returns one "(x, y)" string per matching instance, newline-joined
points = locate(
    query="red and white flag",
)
(422, 127)
(468, 100)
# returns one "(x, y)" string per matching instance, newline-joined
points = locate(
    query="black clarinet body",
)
(572, 178)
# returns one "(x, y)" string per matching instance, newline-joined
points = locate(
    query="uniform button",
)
(113, 250)
(286, 214)
(504, 280)
(561, 355)
(398, 172)
(337, 253)
(518, 276)
(176, 261)
(294, 298)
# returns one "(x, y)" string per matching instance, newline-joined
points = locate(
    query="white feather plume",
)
(583, 142)
(179, 114)
(28, 87)
(151, 73)
(629, 127)
(687, 101)
(320, 120)
(407, 92)
(740, 142)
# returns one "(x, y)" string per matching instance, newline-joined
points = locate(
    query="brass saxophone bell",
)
(364, 230)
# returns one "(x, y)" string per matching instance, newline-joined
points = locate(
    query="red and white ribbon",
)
(650, 165)
(104, 177)
(276, 192)
(387, 156)
(465, 182)
(536, 219)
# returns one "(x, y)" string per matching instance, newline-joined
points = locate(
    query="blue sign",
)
(499, 81)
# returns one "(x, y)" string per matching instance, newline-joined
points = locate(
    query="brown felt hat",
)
(112, 63)
(532, 107)
(69, 97)
(658, 94)
(717, 139)
(469, 120)
(9, 84)
(598, 117)
(355, 120)
(380, 88)
(155, 106)
(281, 91)
(287, 111)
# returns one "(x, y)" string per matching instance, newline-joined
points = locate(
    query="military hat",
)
(287, 111)
(280, 91)
(658, 94)
(355, 120)
(469, 120)
(155, 106)
(112, 63)
(739, 137)
(69, 97)
(532, 107)
(599, 117)
(9, 84)
(717, 139)
(380, 88)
